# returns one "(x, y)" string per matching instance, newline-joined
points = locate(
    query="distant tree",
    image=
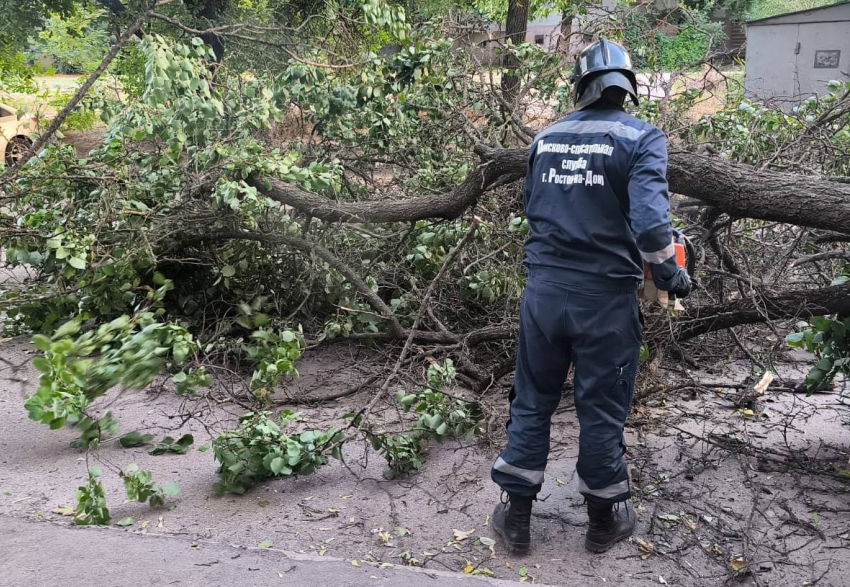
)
(766, 8)
(21, 18)
(516, 23)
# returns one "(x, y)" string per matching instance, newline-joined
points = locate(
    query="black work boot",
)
(511, 520)
(608, 524)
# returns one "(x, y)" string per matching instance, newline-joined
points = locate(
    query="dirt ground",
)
(706, 514)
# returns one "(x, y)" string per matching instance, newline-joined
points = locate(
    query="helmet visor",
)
(590, 90)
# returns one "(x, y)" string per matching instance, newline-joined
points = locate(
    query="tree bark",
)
(565, 36)
(741, 190)
(515, 26)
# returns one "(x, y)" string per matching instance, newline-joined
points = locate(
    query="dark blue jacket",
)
(597, 203)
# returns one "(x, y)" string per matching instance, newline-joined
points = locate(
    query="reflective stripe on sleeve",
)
(660, 256)
(529, 476)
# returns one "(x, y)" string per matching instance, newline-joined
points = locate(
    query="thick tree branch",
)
(745, 191)
(791, 304)
(495, 163)
(736, 189)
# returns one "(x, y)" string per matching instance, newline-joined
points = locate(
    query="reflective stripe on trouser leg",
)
(605, 367)
(613, 492)
(529, 476)
(543, 358)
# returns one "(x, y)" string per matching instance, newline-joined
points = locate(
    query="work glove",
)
(679, 284)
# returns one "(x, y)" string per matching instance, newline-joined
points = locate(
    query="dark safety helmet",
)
(601, 65)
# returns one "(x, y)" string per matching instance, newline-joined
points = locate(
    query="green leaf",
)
(77, 263)
(41, 342)
(41, 364)
(171, 489)
(824, 364)
(186, 440)
(266, 544)
(67, 329)
(132, 439)
(124, 522)
(204, 448)
(277, 465)
(228, 271)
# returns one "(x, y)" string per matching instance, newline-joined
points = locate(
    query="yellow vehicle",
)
(15, 134)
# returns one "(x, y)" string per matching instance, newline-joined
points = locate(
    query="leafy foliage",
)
(440, 417)
(274, 355)
(91, 502)
(652, 49)
(78, 368)
(259, 450)
(813, 134)
(16, 75)
(140, 487)
(828, 339)
(767, 8)
(75, 42)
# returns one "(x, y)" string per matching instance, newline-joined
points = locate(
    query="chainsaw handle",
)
(690, 258)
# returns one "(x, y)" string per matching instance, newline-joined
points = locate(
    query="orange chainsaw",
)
(685, 258)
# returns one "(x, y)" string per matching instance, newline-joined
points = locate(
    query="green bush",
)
(682, 50)
(16, 75)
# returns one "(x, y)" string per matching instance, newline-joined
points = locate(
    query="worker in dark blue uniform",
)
(597, 207)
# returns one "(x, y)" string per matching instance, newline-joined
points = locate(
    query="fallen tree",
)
(337, 228)
(736, 189)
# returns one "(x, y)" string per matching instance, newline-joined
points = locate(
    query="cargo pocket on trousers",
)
(621, 394)
(623, 389)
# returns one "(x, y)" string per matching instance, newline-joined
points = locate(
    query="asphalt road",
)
(46, 554)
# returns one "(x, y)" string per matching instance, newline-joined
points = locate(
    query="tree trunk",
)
(737, 189)
(565, 38)
(741, 190)
(515, 27)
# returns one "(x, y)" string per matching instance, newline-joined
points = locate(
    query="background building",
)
(792, 56)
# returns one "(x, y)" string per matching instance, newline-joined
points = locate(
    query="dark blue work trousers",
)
(599, 333)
